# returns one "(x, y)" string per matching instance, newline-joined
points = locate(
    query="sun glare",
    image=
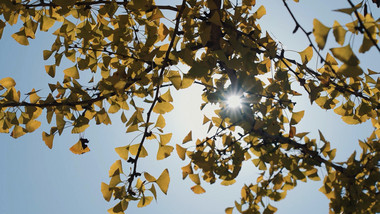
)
(234, 101)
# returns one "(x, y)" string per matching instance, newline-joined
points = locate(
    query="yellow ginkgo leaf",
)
(260, 12)
(119, 208)
(7, 82)
(32, 125)
(149, 177)
(134, 148)
(195, 178)
(306, 55)
(187, 138)
(145, 201)
(346, 55)
(18, 131)
(320, 32)
(107, 193)
(160, 123)
(165, 138)
(48, 139)
(116, 168)
(163, 181)
(181, 152)
(72, 72)
(80, 147)
(123, 152)
(20, 37)
(339, 33)
(164, 152)
(197, 189)
(296, 117)
(162, 107)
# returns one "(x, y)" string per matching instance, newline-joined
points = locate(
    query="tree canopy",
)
(135, 55)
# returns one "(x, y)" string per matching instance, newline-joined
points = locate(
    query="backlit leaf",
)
(346, 55)
(187, 138)
(21, 38)
(164, 152)
(162, 107)
(306, 54)
(7, 82)
(72, 72)
(145, 201)
(149, 177)
(320, 32)
(163, 181)
(78, 148)
(296, 117)
(116, 168)
(48, 139)
(134, 148)
(123, 152)
(107, 193)
(32, 125)
(181, 152)
(160, 123)
(339, 33)
(197, 189)
(165, 138)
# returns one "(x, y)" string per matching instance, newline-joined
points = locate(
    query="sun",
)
(234, 101)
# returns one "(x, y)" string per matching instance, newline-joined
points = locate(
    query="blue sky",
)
(35, 179)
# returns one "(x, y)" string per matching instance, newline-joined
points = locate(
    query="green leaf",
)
(320, 32)
(163, 181)
(346, 55)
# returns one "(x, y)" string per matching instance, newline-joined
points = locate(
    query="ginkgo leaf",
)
(163, 181)
(72, 72)
(187, 138)
(320, 32)
(18, 131)
(134, 148)
(296, 117)
(46, 23)
(260, 12)
(165, 138)
(350, 71)
(107, 193)
(167, 96)
(339, 33)
(78, 148)
(21, 38)
(115, 180)
(48, 139)
(145, 201)
(123, 152)
(7, 82)
(162, 107)
(346, 55)
(197, 189)
(162, 32)
(116, 168)
(195, 178)
(228, 182)
(229, 210)
(306, 54)
(32, 125)
(50, 69)
(119, 208)
(149, 177)
(160, 123)
(164, 152)
(181, 152)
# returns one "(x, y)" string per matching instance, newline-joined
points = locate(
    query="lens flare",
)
(234, 101)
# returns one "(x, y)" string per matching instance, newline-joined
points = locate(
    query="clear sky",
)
(37, 180)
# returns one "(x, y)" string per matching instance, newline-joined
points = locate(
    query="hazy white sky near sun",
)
(37, 180)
